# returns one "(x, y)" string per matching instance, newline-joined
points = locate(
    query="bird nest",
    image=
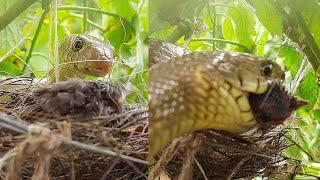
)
(215, 155)
(83, 130)
(72, 130)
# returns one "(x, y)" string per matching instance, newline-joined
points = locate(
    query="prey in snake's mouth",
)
(273, 107)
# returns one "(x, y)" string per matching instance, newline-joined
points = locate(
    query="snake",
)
(206, 90)
(82, 55)
(79, 56)
(162, 51)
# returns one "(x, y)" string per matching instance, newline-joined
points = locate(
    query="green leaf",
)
(316, 114)
(124, 8)
(11, 35)
(228, 29)
(244, 25)
(127, 55)
(262, 41)
(118, 33)
(11, 66)
(141, 84)
(308, 89)
(165, 13)
(269, 16)
(312, 169)
(292, 58)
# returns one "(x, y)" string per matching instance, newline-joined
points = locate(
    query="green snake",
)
(206, 91)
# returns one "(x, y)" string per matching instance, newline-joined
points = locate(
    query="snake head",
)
(249, 73)
(262, 81)
(86, 55)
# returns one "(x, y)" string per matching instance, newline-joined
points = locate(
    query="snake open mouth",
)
(275, 106)
(98, 67)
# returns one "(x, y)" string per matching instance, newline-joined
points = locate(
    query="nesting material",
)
(95, 115)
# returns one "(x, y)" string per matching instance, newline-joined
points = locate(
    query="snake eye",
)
(266, 70)
(77, 45)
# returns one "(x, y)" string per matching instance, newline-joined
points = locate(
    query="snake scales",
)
(211, 91)
(79, 56)
(82, 55)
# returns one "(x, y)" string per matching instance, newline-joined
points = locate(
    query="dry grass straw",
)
(214, 155)
(71, 147)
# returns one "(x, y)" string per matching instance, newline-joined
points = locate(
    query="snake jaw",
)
(92, 56)
(100, 59)
(98, 68)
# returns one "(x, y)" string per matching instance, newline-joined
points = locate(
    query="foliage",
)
(284, 30)
(123, 23)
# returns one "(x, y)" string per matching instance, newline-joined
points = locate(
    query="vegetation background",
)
(285, 30)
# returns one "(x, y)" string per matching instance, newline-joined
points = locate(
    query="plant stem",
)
(90, 9)
(223, 41)
(94, 10)
(56, 40)
(213, 22)
(34, 39)
(85, 16)
(88, 21)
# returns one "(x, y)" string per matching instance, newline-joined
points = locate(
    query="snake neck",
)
(64, 73)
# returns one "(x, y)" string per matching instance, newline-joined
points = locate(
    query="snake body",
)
(206, 91)
(162, 51)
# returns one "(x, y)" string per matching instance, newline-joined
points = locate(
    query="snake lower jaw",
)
(98, 68)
